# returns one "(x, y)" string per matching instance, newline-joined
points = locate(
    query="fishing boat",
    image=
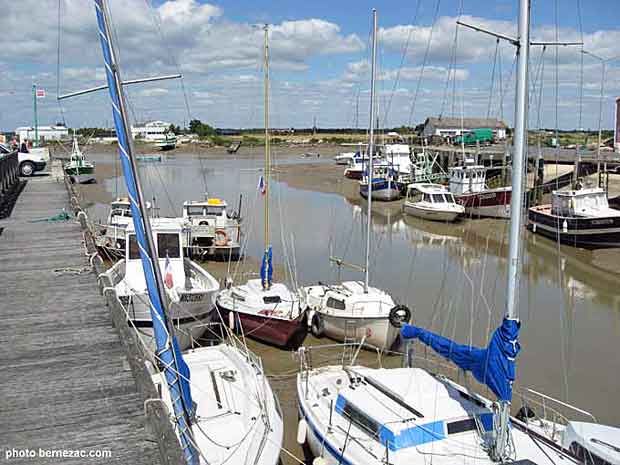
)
(234, 417)
(580, 218)
(354, 311)
(431, 202)
(468, 184)
(79, 170)
(357, 168)
(211, 229)
(262, 309)
(355, 415)
(385, 184)
(189, 287)
(112, 234)
(169, 142)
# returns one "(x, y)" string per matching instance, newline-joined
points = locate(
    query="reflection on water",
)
(452, 275)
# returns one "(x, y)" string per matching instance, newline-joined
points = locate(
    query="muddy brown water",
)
(453, 276)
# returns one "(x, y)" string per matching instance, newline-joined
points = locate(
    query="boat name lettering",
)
(605, 221)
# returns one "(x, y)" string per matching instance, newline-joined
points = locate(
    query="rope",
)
(62, 216)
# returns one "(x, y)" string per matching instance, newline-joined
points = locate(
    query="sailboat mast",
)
(144, 234)
(520, 153)
(371, 145)
(267, 146)
(501, 449)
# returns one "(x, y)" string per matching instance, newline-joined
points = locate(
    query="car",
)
(29, 162)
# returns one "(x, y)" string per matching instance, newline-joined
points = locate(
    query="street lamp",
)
(603, 61)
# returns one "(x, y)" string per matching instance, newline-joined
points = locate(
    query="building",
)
(617, 126)
(452, 127)
(57, 132)
(152, 131)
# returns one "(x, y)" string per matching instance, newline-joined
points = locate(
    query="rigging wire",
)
(493, 79)
(424, 61)
(58, 64)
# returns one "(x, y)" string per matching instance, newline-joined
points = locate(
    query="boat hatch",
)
(272, 299)
(401, 431)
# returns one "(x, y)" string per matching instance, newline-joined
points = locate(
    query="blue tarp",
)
(266, 269)
(493, 366)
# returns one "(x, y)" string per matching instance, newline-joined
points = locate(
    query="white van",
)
(29, 163)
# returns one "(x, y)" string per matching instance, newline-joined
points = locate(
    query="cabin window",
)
(426, 198)
(335, 303)
(214, 210)
(272, 299)
(438, 198)
(586, 456)
(415, 196)
(360, 419)
(134, 251)
(194, 211)
(449, 198)
(168, 245)
(461, 426)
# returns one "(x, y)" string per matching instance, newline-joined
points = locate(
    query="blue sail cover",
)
(175, 369)
(266, 269)
(493, 366)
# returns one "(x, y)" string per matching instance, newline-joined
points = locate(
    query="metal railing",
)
(9, 172)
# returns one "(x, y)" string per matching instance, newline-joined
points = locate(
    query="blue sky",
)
(319, 61)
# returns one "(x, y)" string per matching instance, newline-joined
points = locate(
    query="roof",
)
(428, 188)
(469, 123)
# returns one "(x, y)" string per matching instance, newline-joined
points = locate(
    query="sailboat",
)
(79, 169)
(228, 414)
(353, 310)
(264, 310)
(357, 415)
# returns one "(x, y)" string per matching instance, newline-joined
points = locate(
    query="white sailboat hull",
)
(379, 332)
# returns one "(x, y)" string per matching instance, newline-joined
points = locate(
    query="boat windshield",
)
(194, 211)
(217, 211)
(168, 245)
(438, 198)
(449, 198)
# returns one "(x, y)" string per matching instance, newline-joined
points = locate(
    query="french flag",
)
(262, 188)
(168, 280)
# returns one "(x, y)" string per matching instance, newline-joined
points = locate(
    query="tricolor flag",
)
(40, 93)
(168, 280)
(262, 188)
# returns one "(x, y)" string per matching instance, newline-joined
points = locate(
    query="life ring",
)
(223, 237)
(317, 326)
(399, 315)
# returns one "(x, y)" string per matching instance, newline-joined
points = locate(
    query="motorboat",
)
(385, 184)
(357, 169)
(211, 228)
(431, 202)
(112, 237)
(189, 287)
(468, 184)
(79, 169)
(581, 218)
(169, 142)
(350, 312)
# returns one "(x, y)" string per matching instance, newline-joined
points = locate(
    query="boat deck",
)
(66, 384)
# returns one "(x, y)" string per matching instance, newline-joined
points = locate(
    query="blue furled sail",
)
(175, 369)
(266, 269)
(493, 366)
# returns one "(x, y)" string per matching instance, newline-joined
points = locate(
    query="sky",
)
(319, 61)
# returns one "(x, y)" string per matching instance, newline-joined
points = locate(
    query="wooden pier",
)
(68, 381)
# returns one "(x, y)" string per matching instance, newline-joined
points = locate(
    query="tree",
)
(201, 129)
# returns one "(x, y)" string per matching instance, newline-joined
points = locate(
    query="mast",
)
(266, 281)
(167, 346)
(371, 145)
(500, 451)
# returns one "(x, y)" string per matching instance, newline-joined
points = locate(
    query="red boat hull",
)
(493, 203)
(276, 331)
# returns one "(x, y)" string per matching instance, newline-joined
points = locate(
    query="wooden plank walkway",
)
(65, 382)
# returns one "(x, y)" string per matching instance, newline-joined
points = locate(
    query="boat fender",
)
(302, 431)
(317, 325)
(564, 227)
(399, 314)
(231, 321)
(221, 238)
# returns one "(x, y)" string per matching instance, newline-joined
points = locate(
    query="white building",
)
(151, 131)
(45, 133)
(452, 127)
